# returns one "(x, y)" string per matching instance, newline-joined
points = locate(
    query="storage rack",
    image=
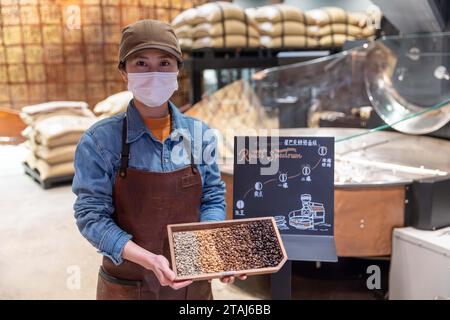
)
(257, 58)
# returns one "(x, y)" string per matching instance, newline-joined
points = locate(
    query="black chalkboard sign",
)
(289, 178)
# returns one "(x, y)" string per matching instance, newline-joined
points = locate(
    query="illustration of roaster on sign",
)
(299, 195)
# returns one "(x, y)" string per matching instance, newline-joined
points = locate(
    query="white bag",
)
(328, 15)
(114, 104)
(289, 42)
(286, 27)
(279, 12)
(46, 170)
(60, 130)
(231, 27)
(217, 11)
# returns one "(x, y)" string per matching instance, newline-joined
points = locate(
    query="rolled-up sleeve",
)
(213, 198)
(93, 186)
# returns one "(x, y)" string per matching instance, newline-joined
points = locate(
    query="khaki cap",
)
(148, 34)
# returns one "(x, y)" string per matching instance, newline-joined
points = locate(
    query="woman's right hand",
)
(153, 262)
(161, 268)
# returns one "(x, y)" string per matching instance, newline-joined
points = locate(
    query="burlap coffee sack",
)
(361, 18)
(289, 42)
(46, 170)
(279, 12)
(231, 41)
(251, 12)
(328, 15)
(186, 17)
(34, 118)
(216, 29)
(31, 135)
(67, 139)
(52, 106)
(184, 31)
(335, 40)
(336, 28)
(55, 130)
(31, 112)
(368, 31)
(185, 43)
(28, 133)
(54, 155)
(114, 104)
(31, 160)
(231, 27)
(286, 27)
(218, 11)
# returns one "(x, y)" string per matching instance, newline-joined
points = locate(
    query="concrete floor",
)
(41, 251)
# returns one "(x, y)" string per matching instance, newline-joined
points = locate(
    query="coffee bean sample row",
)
(245, 246)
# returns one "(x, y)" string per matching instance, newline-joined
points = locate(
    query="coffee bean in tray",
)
(246, 246)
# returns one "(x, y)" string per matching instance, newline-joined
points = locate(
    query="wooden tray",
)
(173, 228)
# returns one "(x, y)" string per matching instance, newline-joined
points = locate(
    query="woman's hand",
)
(156, 263)
(161, 268)
(230, 279)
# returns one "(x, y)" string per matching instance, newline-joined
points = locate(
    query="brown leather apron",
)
(145, 203)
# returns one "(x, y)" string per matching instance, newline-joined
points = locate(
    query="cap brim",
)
(155, 46)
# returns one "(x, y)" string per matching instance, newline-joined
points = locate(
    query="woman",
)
(131, 179)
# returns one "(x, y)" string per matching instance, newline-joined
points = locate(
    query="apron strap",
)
(193, 166)
(125, 154)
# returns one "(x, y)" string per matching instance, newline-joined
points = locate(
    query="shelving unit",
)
(200, 60)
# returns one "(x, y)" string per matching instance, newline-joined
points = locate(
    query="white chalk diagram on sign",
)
(322, 151)
(310, 216)
(240, 208)
(283, 177)
(258, 190)
(281, 222)
(306, 171)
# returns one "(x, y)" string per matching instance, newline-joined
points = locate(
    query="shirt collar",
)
(136, 126)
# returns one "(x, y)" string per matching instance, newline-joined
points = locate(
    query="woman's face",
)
(151, 60)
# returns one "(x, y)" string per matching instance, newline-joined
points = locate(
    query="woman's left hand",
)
(230, 279)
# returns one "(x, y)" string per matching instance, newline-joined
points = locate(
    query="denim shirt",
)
(97, 160)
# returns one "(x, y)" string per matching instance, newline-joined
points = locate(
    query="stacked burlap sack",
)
(53, 132)
(216, 25)
(282, 26)
(333, 26)
(113, 104)
(182, 25)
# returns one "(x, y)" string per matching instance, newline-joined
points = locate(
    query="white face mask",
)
(152, 88)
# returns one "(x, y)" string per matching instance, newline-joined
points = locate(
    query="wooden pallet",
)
(172, 228)
(49, 182)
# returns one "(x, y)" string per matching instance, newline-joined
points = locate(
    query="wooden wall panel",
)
(68, 49)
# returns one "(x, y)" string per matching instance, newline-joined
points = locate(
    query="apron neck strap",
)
(193, 167)
(125, 154)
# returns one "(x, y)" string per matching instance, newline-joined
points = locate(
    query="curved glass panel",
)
(405, 75)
